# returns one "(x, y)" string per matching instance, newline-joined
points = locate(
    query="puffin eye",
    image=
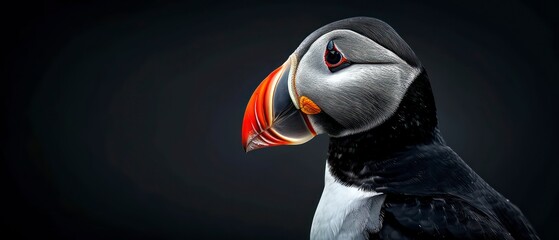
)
(333, 58)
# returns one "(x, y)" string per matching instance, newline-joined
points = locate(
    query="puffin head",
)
(345, 78)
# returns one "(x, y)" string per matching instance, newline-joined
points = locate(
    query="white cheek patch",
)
(362, 95)
(364, 50)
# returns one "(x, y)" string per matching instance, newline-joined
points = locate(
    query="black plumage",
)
(431, 192)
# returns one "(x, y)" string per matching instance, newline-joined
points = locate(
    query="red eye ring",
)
(333, 58)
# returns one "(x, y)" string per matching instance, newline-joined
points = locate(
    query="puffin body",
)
(389, 173)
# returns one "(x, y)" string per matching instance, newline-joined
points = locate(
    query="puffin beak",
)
(272, 117)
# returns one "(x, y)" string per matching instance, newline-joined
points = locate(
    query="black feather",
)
(431, 192)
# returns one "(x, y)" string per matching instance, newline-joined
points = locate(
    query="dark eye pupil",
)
(333, 57)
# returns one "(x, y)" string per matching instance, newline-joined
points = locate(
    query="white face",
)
(360, 96)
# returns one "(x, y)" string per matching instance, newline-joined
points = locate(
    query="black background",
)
(123, 121)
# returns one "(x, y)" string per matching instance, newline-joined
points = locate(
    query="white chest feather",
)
(346, 212)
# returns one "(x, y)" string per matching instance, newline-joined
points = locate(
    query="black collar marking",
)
(353, 158)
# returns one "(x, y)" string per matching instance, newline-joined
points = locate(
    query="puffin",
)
(389, 173)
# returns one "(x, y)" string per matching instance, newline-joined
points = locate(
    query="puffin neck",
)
(414, 123)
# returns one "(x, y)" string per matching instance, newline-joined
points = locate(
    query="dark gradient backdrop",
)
(123, 121)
